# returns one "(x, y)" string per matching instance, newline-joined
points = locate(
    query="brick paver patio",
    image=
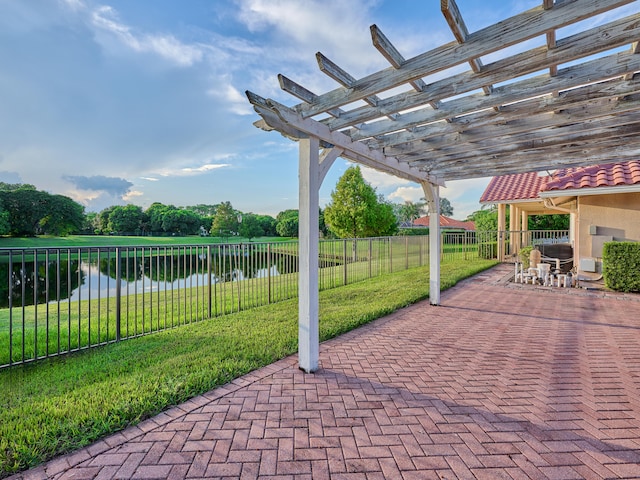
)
(499, 382)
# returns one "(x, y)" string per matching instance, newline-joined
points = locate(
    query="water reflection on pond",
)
(53, 280)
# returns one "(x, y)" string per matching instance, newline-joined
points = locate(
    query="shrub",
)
(621, 266)
(488, 250)
(524, 254)
(412, 231)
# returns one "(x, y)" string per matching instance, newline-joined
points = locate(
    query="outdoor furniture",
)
(544, 270)
(560, 280)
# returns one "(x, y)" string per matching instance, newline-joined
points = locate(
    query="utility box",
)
(593, 230)
(588, 264)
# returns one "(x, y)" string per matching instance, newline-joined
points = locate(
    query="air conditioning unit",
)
(588, 264)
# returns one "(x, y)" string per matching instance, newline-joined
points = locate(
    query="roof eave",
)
(578, 192)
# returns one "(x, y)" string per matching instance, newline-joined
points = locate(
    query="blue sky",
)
(137, 101)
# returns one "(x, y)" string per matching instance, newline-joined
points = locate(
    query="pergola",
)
(569, 101)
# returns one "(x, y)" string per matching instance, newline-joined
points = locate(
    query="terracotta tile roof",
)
(519, 186)
(446, 222)
(527, 186)
(610, 175)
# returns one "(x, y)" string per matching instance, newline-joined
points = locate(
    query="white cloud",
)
(149, 179)
(205, 168)
(83, 197)
(168, 47)
(132, 195)
(74, 5)
(382, 180)
(460, 188)
(236, 102)
(189, 171)
(464, 195)
(332, 24)
(407, 194)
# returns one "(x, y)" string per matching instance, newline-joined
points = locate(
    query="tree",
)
(128, 219)
(409, 211)
(446, 208)
(225, 222)
(89, 225)
(184, 222)
(156, 213)
(549, 222)
(102, 220)
(268, 225)
(63, 216)
(26, 211)
(356, 211)
(26, 207)
(287, 223)
(5, 220)
(486, 220)
(250, 226)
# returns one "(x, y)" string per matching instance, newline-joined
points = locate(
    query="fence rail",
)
(59, 300)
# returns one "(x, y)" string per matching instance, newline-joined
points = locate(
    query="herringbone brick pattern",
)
(496, 383)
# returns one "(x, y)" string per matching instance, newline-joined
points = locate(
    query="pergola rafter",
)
(567, 102)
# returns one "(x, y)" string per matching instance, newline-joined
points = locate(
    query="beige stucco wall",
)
(615, 217)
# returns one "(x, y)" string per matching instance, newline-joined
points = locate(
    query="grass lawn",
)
(61, 404)
(118, 241)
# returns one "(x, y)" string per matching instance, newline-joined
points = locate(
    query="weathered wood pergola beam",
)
(540, 143)
(533, 160)
(391, 53)
(609, 36)
(395, 58)
(333, 71)
(472, 142)
(551, 38)
(500, 127)
(302, 93)
(569, 79)
(280, 117)
(516, 29)
(459, 29)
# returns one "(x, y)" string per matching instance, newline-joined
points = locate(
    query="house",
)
(603, 202)
(446, 223)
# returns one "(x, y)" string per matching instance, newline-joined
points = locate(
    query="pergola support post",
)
(432, 195)
(309, 185)
(513, 216)
(525, 228)
(502, 208)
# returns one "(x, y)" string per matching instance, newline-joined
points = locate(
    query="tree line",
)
(356, 210)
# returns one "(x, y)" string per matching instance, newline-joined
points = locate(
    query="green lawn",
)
(61, 404)
(36, 331)
(118, 241)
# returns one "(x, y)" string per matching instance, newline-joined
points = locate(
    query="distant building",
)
(446, 223)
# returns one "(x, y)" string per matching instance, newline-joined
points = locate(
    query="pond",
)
(55, 280)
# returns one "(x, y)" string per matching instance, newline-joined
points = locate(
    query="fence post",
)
(370, 255)
(406, 253)
(118, 292)
(209, 280)
(268, 273)
(344, 261)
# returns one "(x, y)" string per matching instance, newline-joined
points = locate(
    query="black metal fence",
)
(60, 300)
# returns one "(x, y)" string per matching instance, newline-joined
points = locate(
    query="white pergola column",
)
(513, 212)
(502, 219)
(526, 240)
(312, 168)
(517, 235)
(308, 234)
(432, 195)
